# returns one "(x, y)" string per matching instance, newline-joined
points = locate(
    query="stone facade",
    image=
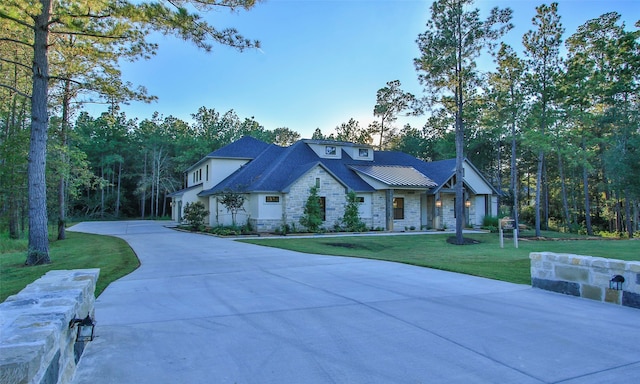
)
(333, 192)
(36, 344)
(412, 208)
(586, 276)
(378, 205)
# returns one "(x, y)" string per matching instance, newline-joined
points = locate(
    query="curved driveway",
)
(202, 309)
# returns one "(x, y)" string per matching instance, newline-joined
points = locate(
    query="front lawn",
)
(112, 255)
(485, 259)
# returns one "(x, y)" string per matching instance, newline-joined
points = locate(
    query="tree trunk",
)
(514, 174)
(14, 218)
(545, 197)
(118, 191)
(565, 202)
(539, 191)
(144, 186)
(585, 183)
(459, 187)
(38, 252)
(102, 188)
(64, 160)
(627, 210)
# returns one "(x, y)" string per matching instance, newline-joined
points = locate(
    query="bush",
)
(528, 216)
(194, 214)
(490, 221)
(351, 220)
(312, 217)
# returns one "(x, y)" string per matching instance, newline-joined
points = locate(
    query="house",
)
(396, 191)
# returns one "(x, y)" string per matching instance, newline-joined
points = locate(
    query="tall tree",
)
(352, 132)
(284, 136)
(454, 39)
(542, 48)
(390, 101)
(507, 100)
(41, 19)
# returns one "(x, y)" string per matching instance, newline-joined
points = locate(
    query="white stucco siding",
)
(220, 169)
(479, 209)
(268, 209)
(475, 181)
(220, 215)
(365, 209)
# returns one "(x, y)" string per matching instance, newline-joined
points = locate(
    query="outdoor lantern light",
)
(467, 203)
(85, 328)
(616, 282)
(438, 203)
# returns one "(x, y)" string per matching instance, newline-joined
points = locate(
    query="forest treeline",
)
(568, 121)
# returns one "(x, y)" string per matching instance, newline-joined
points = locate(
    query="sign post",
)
(508, 224)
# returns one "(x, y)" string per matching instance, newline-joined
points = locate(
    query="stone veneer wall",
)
(36, 344)
(411, 210)
(333, 192)
(586, 276)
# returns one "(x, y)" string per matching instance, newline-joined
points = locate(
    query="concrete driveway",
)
(202, 309)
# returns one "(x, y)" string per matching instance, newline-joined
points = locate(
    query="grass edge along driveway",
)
(112, 255)
(485, 259)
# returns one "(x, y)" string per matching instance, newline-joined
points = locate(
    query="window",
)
(323, 207)
(363, 152)
(197, 175)
(317, 182)
(207, 174)
(398, 208)
(272, 199)
(360, 199)
(330, 150)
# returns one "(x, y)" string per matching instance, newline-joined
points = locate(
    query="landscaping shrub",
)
(312, 217)
(351, 221)
(194, 214)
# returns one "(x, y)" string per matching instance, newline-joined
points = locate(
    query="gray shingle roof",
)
(274, 168)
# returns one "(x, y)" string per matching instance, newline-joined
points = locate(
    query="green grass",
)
(113, 256)
(486, 259)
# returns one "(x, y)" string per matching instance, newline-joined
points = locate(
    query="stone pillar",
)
(36, 343)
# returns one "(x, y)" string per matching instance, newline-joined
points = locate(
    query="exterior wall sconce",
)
(467, 203)
(85, 328)
(616, 282)
(438, 203)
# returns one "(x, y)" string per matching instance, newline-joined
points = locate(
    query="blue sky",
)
(321, 61)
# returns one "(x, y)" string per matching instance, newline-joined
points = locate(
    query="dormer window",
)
(363, 152)
(330, 150)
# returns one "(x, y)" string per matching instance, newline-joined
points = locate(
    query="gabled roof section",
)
(442, 170)
(277, 168)
(246, 148)
(396, 175)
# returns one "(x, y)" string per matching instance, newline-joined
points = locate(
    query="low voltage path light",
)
(85, 328)
(616, 282)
